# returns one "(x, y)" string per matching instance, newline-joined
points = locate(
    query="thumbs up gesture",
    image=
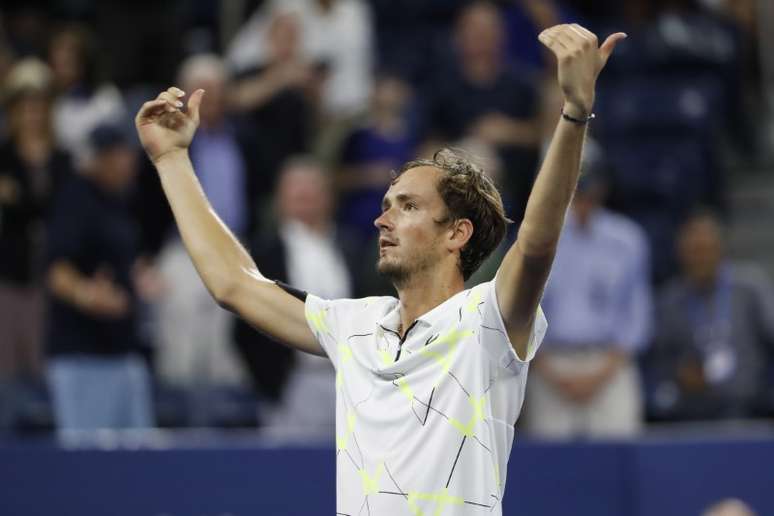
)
(580, 58)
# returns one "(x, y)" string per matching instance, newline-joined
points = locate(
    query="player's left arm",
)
(524, 270)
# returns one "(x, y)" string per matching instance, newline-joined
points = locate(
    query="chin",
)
(391, 270)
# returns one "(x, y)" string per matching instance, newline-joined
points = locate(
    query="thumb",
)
(193, 105)
(609, 45)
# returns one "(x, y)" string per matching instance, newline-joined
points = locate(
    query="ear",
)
(459, 234)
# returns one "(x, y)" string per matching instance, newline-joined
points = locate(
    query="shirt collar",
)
(391, 320)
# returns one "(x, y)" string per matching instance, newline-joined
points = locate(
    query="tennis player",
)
(429, 384)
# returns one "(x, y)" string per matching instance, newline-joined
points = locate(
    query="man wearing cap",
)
(97, 376)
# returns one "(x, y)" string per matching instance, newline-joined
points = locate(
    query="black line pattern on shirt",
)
(360, 450)
(358, 335)
(429, 403)
(400, 491)
(464, 437)
(365, 504)
(431, 408)
(395, 377)
(354, 463)
(482, 444)
(389, 330)
(478, 504)
(498, 330)
(460, 384)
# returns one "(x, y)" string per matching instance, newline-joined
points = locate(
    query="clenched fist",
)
(163, 127)
(580, 60)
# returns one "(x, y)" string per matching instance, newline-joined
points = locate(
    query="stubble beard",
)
(400, 273)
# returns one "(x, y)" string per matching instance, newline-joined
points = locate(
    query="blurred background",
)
(658, 366)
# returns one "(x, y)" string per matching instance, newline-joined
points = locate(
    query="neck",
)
(423, 292)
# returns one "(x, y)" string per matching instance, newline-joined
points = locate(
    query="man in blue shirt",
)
(598, 300)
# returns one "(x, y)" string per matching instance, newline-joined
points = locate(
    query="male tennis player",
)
(429, 385)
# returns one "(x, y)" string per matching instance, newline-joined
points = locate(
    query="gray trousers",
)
(614, 412)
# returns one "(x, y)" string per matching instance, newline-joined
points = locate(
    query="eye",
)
(409, 206)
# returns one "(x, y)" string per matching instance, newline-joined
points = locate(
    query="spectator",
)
(279, 99)
(372, 152)
(729, 507)
(585, 382)
(193, 353)
(481, 96)
(97, 376)
(31, 170)
(716, 330)
(85, 100)
(336, 32)
(310, 253)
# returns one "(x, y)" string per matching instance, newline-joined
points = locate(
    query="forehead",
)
(418, 182)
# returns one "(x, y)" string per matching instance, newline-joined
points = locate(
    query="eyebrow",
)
(402, 197)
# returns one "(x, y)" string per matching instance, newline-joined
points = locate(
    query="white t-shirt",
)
(423, 426)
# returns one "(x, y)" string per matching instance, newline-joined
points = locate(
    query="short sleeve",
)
(322, 320)
(495, 336)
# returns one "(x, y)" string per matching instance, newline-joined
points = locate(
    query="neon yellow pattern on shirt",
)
(441, 498)
(371, 483)
(450, 339)
(342, 441)
(317, 320)
(478, 415)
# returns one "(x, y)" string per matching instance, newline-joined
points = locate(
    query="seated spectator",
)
(192, 353)
(335, 32)
(715, 331)
(481, 96)
(84, 100)
(307, 251)
(372, 152)
(32, 169)
(97, 376)
(279, 100)
(584, 382)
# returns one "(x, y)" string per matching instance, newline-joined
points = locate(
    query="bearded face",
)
(410, 237)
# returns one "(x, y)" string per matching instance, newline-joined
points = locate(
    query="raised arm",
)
(524, 271)
(227, 270)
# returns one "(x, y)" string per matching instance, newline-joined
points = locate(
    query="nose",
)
(383, 221)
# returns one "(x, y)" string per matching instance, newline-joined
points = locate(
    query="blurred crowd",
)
(310, 105)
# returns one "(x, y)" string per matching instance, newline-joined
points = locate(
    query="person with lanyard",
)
(429, 384)
(715, 332)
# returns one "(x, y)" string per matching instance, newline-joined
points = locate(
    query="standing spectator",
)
(482, 97)
(193, 354)
(31, 170)
(308, 252)
(716, 330)
(585, 381)
(337, 32)
(85, 100)
(97, 376)
(279, 100)
(372, 152)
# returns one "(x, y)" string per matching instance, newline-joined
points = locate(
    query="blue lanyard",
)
(717, 319)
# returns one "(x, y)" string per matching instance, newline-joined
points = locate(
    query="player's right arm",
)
(227, 270)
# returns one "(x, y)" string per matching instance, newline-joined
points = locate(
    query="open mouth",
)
(385, 244)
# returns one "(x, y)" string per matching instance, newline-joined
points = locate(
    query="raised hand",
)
(163, 127)
(580, 60)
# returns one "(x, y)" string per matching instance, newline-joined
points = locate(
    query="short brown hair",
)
(468, 194)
